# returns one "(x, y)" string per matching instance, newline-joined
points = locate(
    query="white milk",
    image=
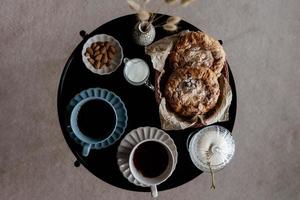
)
(136, 71)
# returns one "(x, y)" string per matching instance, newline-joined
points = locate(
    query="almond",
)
(87, 54)
(104, 58)
(97, 53)
(94, 45)
(98, 65)
(101, 64)
(103, 50)
(110, 54)
(90, 51)
(97, 48)
(92, 61)
(112, 49)
(98, 57)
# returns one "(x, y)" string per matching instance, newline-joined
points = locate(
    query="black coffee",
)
(151, 159)
(96, 119)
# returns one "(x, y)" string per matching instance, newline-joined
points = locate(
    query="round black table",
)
(139, 100)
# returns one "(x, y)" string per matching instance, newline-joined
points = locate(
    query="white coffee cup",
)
(152, 182)
(136, 72)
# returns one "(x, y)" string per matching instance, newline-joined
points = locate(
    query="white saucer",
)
(134, 137)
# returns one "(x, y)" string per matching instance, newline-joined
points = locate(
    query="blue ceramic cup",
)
(87, 141)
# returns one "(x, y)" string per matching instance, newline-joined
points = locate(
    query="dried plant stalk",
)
(170, 27)
(186, 2)
(134, 5)
(173, 20)
(152, 18)
(170, 1)
(144, 15)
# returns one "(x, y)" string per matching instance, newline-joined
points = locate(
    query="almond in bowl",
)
(102, 54)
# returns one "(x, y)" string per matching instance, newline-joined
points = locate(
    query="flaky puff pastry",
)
(192, 91)
(197, 49)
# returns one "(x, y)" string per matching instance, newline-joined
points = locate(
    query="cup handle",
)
(154, 192)
(86, 150)
(125, 60)
(149, 85)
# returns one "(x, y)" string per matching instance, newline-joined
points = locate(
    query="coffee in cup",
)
(151, 162)
(151, 159)
(96, 119)
(92, 121)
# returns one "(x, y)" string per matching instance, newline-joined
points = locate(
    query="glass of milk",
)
(136, 72)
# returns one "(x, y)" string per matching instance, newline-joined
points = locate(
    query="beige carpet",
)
(262, 42)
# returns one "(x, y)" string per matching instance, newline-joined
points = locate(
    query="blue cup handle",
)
(86, 150)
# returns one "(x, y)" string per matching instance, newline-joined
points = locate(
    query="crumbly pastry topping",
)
(192, 91)
(197, 57)
(197, 49)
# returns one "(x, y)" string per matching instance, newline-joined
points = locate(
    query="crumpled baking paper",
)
(159, 51)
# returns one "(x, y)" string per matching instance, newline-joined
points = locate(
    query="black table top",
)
(140, 103)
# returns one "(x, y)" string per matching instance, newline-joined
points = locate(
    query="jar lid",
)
(212, 144)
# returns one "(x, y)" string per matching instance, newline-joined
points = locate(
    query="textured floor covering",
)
(262, 42)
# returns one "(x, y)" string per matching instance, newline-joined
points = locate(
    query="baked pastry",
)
(197, 49)
(192, 91)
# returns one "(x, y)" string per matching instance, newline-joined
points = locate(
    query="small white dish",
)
(116, 60)
(133, 138)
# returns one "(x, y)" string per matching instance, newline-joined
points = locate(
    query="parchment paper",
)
(159, 51)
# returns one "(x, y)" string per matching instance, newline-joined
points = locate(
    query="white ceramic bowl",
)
(116, 60)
